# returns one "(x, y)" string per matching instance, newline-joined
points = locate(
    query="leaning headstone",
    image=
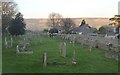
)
(44, 59)
(64, 50)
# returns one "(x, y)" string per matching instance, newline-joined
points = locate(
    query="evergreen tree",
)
(102, 30)
(83, 22)
(17, 25)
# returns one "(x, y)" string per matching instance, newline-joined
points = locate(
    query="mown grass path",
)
(87, 62)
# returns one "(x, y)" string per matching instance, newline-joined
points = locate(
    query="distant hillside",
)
(40, 24)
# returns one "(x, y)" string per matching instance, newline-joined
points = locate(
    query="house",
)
(84, 29)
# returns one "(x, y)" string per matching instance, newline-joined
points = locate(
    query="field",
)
(0, 54)
(87, 62)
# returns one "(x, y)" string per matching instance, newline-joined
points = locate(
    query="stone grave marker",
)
(74, 40)
(74, 58)
(21, 47)
(64, 50)
(45, 59)
(8, 43)
(91, 45)
(17, 49)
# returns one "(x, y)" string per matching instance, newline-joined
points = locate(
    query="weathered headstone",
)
(7, 43)
(64, 50)
(74, 40)
(21, 48)
(17, 49)
(91, 45)
(109, 46)
(74, 58)
(45, 59)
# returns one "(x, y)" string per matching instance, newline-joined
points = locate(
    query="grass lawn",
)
(87, 62)
(0, 54)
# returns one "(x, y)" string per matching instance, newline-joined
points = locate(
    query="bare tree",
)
(68, 23)
(55, 19)
(9, 9)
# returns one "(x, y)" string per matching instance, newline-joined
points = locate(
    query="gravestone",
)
(109, 45)
(64, 50)
(74, 40)
(45, 59)
(8, 43)
(22, 46)
(17, 49)
(91, 45)
(74, 58)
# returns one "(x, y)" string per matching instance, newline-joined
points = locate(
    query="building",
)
(85, 29)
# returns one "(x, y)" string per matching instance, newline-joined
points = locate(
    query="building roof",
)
(84, 29)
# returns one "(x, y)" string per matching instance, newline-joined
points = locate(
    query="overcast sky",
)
(68, 8)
